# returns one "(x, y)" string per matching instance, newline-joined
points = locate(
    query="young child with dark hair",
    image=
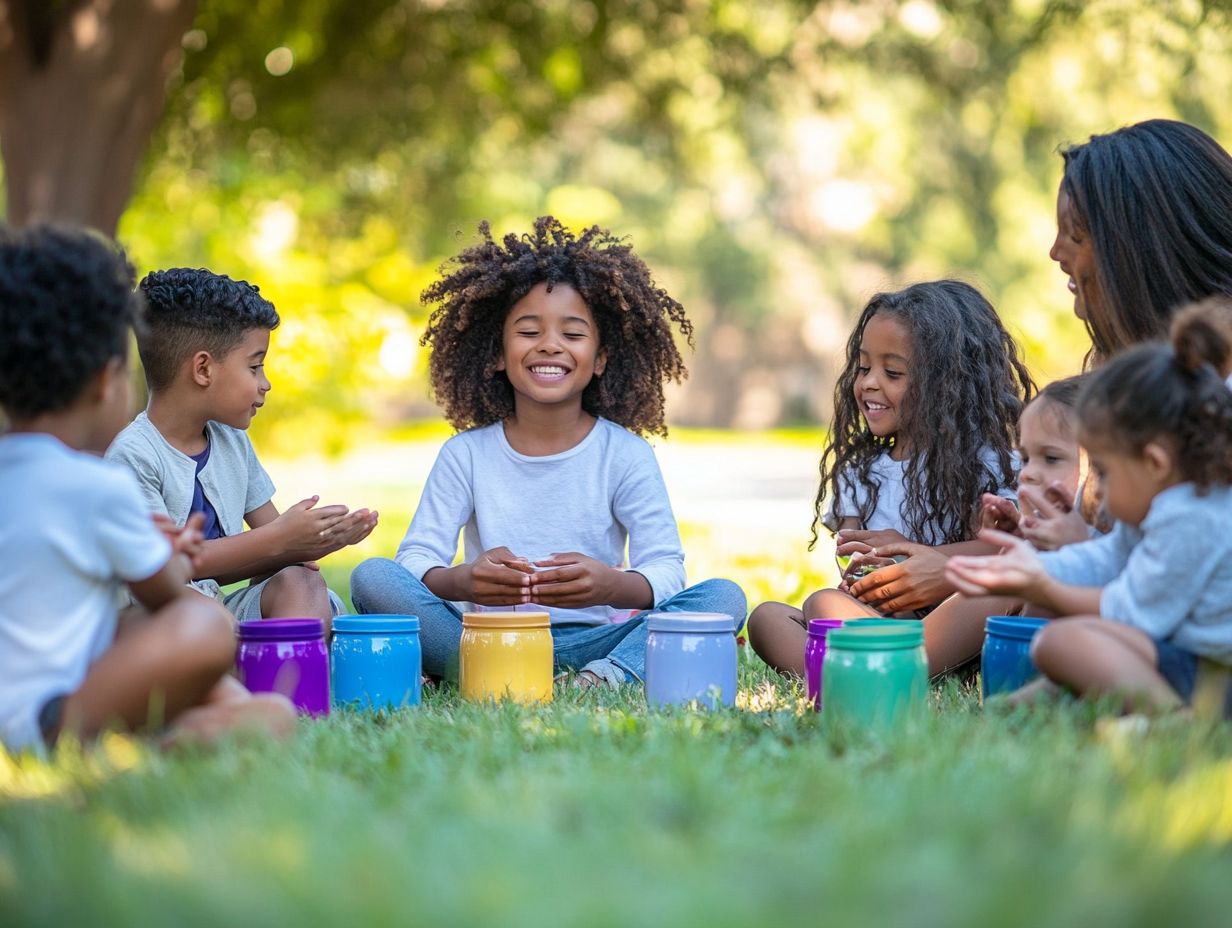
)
(1147, 601)
(74, 529)
(203, 349)
(549, 353)
(924, 425)
(1057, 509)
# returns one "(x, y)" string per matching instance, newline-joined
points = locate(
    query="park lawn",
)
(594, 811)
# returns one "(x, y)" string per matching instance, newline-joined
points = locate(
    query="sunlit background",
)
(776, 163)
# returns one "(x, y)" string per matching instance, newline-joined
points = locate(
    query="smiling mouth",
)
(548, 370)
(871, 408)
(1073, 286)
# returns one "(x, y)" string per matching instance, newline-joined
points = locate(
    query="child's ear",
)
(500, 359)
(1160, 460)
(600, 362)
(201, 367)
(111, 377)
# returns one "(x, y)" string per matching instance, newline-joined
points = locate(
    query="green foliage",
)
(776, 164)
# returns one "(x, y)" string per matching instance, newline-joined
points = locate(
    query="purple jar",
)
(814, 654)
(286, 656)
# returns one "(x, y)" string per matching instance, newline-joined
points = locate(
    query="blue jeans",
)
(379, 586)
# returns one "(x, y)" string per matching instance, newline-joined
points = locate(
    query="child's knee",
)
(766, 620)
(369, 577)
(300, 582)
(1055, 641)
(827, 602)
(204, 629)
(728, 598)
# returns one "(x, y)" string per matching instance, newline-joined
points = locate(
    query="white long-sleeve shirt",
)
(604, 493)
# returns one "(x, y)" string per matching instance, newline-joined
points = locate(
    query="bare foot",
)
(267, 715)
(1038, 690)
(583, 680)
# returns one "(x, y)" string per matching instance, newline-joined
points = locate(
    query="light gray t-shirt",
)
(888, 473)
(1171, 577)
(604, 493)
(73, 530)
(233, 479)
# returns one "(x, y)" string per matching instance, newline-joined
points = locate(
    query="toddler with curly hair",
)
(549, 354)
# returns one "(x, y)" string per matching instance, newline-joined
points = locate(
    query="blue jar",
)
(690, 656)
(1005, 663)
(376, 661)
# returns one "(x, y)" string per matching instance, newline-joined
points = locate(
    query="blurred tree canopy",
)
(775, 162)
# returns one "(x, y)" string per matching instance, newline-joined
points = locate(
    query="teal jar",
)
(874, 675)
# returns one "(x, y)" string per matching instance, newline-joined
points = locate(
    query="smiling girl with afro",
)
(549, 353)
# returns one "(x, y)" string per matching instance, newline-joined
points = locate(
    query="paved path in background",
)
(758, 490)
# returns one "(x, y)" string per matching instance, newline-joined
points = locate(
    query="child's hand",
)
(999, 513)
(351, 529)
(861, 562)
(187, 541)
(499, 578)
(307, 530)
(573, 581)
(915, 581)
(1016, 571)
(1049, 520)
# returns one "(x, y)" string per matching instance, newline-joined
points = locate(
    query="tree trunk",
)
(82, 85)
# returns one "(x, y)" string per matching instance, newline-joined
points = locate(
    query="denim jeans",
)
(379, 586)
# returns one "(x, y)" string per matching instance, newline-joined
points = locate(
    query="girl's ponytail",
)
(1202, 334)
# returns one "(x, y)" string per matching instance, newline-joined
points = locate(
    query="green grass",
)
(594, 811)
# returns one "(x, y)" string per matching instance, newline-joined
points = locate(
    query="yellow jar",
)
(506, 655)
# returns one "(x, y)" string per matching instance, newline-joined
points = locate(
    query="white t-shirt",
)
(888, 474)
(601, 494)
(73, 529)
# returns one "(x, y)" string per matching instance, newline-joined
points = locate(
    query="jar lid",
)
(281, 629)
(690, 622)
(1019, 627)
(853, 637)
(882, 623)
(820, 627)
(376, 624)
(506, 620)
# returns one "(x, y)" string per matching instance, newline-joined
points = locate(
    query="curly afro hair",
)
(191, 310)
(66, 309)
(634, 318)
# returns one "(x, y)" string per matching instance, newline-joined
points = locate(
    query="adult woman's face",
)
(1072, 249)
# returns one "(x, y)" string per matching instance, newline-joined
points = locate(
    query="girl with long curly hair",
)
(924, 425)
(549, 354)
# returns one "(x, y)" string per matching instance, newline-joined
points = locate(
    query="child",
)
(550, 352)
(1049, 513)
(924, 415)
(204, 352)
(1155, 595)
(73, 528)
(1052, 467)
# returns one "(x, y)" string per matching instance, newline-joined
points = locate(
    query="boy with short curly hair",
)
(204, 351)
(74, 529)
(550, 351)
